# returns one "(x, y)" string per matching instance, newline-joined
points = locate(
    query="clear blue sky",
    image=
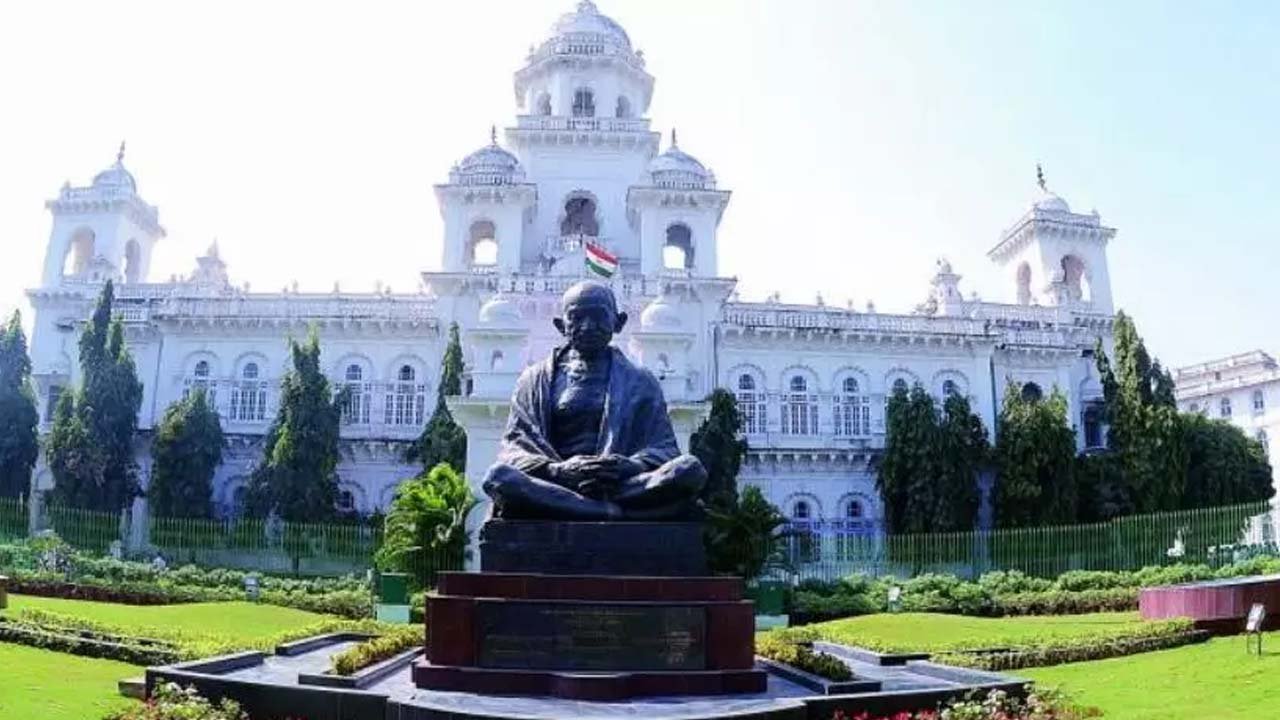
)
(861, 140)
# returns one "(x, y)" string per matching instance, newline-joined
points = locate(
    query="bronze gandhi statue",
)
(588, 437)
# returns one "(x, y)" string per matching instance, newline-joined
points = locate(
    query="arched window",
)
(1076, 279)
(624, 107)
(852, 410)
(580, 218)
(482, 244)
(1093, 424)
(346, 501)
(677, 250)
(132, 262)
(249, 398)
(496, 360)
(1031, 392)
(80, 252)
(407, 400)
(949, 388)
(542, 106)
(355, 411)
(801, 510)
(799, 408)
(853, 510)
(584, 103)
(1261, 437)
(1224, 407)
(200, 378)
(900, 385)
(1259, 402)
(751, 403)
(1024, 284)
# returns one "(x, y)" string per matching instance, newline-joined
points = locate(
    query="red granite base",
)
(1219, 606)
(624, 636)
(599, 687)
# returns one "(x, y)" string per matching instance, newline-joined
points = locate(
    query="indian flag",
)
(600, 260)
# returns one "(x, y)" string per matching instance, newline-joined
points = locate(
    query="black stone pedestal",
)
(670, 549)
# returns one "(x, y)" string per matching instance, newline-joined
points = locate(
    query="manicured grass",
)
(932, 632)
(234, 621)
(54, 686)
(1211, 680)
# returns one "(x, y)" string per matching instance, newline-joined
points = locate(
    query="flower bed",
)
(793, 651)
(996, 705)
(370, 652)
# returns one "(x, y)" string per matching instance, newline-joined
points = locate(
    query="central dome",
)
(587, 20)
(1052, 202)
(116, 176)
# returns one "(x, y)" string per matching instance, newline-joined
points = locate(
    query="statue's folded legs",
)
(665, 493)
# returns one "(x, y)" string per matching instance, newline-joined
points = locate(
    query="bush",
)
(171, 702)
(370, 652)
(782, 648)
(1056, 602)
(945, 594)
(1009, 582)
(1139, 639)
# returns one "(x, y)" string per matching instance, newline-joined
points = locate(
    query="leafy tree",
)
(741, 538)
(91, 442)
(1145, 429)
(426, 526)
(1035, 454)
(963, 448)
(297, 477)
(907, 466)
(1224, 466)
(186, 452)
(19, 442)
(928, 472)
(718, 444)
(443, 440)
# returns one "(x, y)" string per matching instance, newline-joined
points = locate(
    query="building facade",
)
(581, 166)
(1243, 390)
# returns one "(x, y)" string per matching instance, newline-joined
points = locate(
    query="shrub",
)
(1056, 602)
(782, 648)
(171, 702)
(1009, 582)
(370, 652)
(1054, 651)
(945, 594)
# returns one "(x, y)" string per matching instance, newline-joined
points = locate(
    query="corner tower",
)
(1055, 257)
(101, 231)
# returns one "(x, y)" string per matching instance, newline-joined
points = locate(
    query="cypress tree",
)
(186, 452)
(718, 444)
(19, 442)
(91, 442)
(297, 477)
(1035, 453)
(443, 440)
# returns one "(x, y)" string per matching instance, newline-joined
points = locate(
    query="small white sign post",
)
(1253, 627)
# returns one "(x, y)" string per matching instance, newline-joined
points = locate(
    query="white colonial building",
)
(1243, 390)
(581, 164)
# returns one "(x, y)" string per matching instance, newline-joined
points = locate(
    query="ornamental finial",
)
(120, 153)
(493, 134)
(673, 138)
(1040, 178)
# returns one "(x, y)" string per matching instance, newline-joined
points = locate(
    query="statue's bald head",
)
(589, 316)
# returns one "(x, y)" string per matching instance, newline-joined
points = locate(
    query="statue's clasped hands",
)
(594, 474)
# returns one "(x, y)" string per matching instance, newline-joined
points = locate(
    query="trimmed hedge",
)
(110, 647)
(1001, 593)
(374, 651)
(1082, 650)
(785, 649)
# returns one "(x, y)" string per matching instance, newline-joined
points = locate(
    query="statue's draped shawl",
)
(634, 422)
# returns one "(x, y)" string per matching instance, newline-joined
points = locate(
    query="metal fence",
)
(829, 550)
(13, 518)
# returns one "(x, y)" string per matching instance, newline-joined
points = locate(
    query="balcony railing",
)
(560, 122)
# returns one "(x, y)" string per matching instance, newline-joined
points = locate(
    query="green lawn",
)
(1214, 680)
(931, 632)
(237, 621)
(54, 686)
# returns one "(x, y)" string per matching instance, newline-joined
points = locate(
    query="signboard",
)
(1257, 616)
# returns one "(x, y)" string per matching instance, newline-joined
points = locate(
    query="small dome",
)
(116, 176)
(1052, 203)
(490, 165)
(660, 315)
(500, 311)
(676, 168)
(587, 20)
